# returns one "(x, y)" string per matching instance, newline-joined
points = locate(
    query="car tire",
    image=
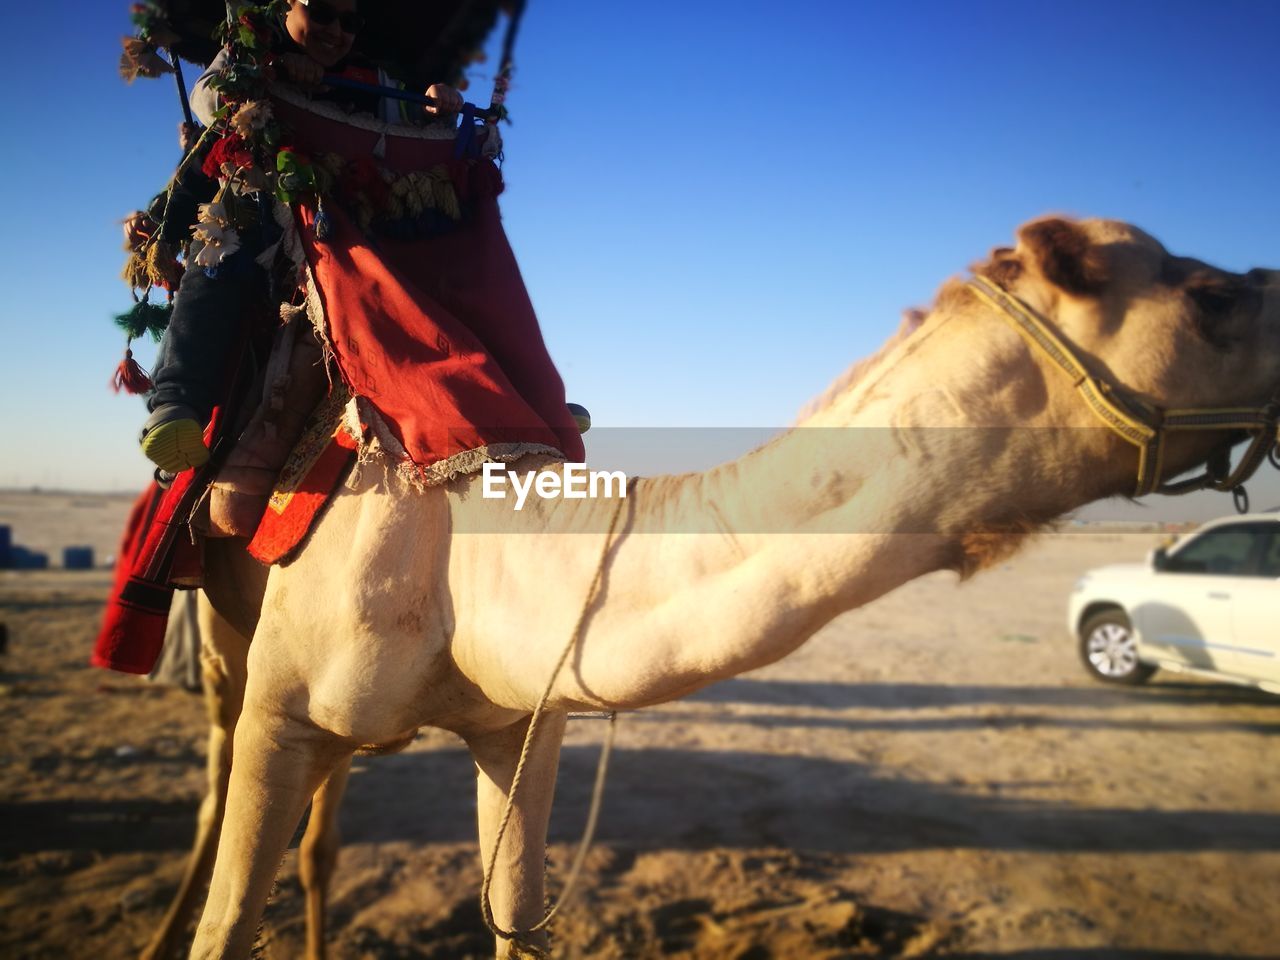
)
(1109, 650)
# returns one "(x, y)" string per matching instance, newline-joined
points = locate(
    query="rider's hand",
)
(138, 228)
(448, 100)
(301, 70)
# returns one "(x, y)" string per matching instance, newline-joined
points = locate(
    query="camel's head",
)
(1169, 331)
(1176, 331)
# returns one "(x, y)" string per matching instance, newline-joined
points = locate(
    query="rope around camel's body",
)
(597, 794)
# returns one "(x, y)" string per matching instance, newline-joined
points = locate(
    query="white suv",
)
(1209, 605)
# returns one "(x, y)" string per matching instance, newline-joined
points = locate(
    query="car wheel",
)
(1110, 650)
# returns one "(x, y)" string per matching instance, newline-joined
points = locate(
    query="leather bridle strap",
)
(1145, 427)
(1261, 423)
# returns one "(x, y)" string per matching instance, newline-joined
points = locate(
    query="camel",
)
(945, 451)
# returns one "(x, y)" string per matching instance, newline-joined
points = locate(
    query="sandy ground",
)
(933, 775)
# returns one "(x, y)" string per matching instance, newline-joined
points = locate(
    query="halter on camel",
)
(1148, 427)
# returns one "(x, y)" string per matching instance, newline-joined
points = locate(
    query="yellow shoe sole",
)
(176, 446)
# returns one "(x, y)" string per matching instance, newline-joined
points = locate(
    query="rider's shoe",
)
(173, 439)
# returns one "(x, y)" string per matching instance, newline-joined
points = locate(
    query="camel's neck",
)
(914, 469)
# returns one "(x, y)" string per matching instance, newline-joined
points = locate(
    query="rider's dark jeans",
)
(207, 322)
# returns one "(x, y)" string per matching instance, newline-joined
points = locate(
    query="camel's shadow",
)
(909, 696)
(692, 799)
(678, 797)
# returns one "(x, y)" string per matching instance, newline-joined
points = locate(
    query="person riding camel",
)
(312, 39)
(404, 332)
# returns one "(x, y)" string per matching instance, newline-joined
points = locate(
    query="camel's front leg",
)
(318, 854)
(516, 888)
(280, 760)
(223, 652)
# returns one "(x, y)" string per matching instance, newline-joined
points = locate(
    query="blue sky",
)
(717, 206)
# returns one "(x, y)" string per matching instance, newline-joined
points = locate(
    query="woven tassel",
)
(129, 376)
(323, 225)
(163, 268)
(446, 199)
(135, 272)
(144, 318)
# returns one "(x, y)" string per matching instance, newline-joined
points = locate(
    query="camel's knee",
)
(218, 767)
(318, 854)
(317, 859)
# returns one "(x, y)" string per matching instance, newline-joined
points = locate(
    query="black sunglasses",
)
(322, 14)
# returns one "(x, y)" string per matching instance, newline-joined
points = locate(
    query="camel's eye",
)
(1212, 295)
(1173, 272)
(1218, 299)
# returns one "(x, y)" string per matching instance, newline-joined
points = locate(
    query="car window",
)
(1223, 551)
(1269, 565)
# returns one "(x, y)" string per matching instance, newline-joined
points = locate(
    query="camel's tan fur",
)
(397, 615)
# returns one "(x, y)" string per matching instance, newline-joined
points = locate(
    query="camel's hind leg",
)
(516, 889)
(318, 854)
(223, 652)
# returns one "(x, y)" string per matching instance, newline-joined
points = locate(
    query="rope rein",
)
(486, 908)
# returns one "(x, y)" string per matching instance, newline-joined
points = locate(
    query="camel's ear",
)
(1066, 256)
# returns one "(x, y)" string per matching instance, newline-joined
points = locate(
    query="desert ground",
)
(932, 776)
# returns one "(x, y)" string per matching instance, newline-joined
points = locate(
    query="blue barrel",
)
(24, 559)
(77, 558)
(6, 547)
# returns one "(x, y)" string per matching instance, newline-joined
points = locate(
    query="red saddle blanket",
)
(435, 335)
(314, 469)
(157, 554)
(437, 332)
